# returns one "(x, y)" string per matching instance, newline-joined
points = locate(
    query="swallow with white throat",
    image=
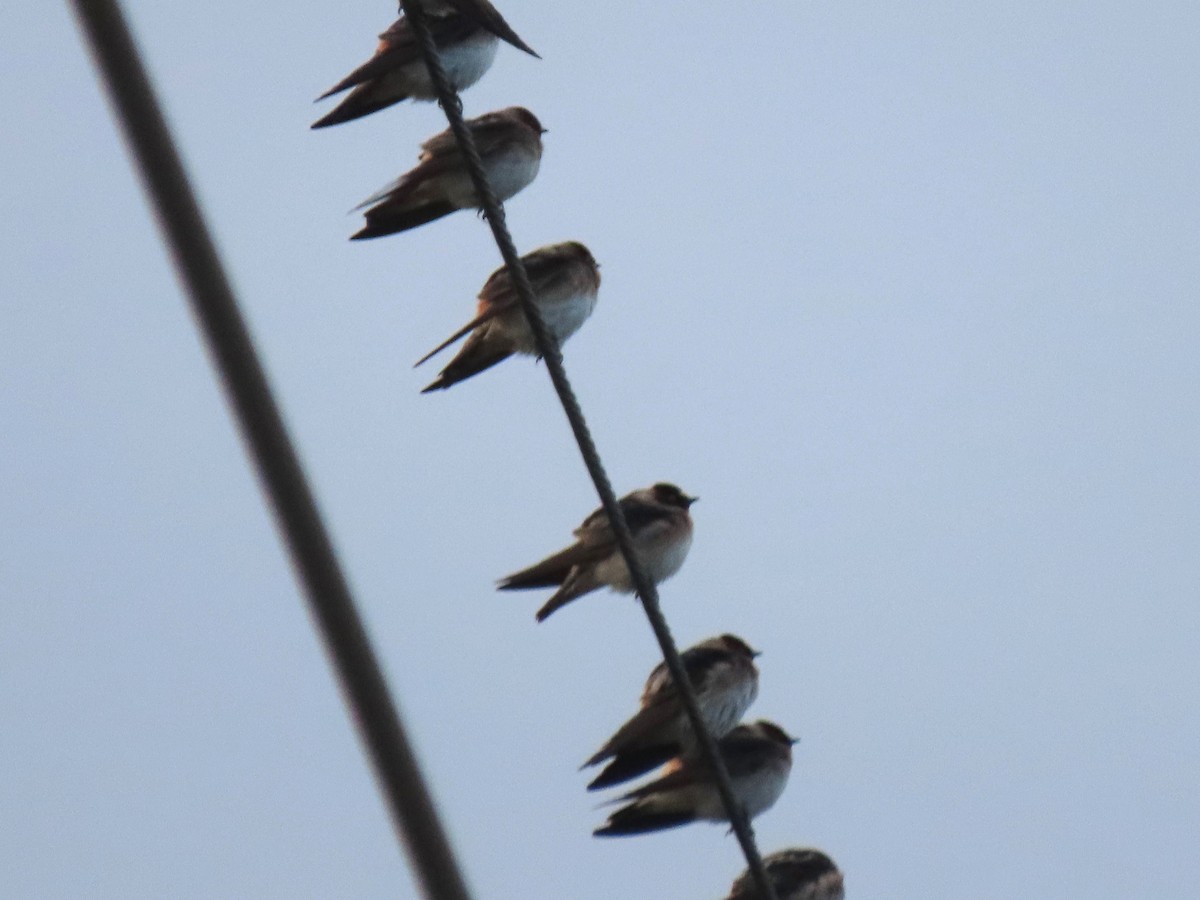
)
(565, 279)
(722, 673)
(800, 873)
(661, 526)
(482, 13)
(759, 760)
(397, 70)
(510, 146)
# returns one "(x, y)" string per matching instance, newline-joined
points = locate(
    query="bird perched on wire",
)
(797, 874)
(565, 279)
(397, 70)
(759, 760)
(722, 673)
(510, 146)
(482, 13)
(662, 535)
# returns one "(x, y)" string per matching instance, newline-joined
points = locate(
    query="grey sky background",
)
(905, 292)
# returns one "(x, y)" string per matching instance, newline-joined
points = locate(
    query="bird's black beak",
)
(691, 500)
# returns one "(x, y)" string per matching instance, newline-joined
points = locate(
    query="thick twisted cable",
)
(548, 347)
(330, 602)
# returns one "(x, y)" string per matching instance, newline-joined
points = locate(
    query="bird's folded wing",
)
(659, 679)
(484, 316)
(441, 143)
(689, 773)
(644, 723)
(639, 515)
(397, 48)
(392, 187)
(553, 570)
(661, 703)
(546, 274)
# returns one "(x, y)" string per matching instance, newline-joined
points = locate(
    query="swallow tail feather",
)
(550, 572)
(573, 589)
(382, 220)
(631, 764)
(486, 315)
(362, 101)
(475, 358)
(640, 820)
(376, 67)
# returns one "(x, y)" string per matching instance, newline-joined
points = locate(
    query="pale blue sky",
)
(905, 292)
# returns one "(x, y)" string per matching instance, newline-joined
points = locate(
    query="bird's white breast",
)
(613, 572)
(664, 558)
(724, 705)
(662, 555)
(512, 169)
(563, 318)
(465, 63)
(508, 171)
(758, 792)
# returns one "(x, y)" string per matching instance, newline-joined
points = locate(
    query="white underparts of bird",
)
(510, 147)
(565, 279)
(722, 673)
(397, 71)
(759, 760)
(661, 526)
(800, 873)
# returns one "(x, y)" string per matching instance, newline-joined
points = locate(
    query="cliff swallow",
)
(510, 146)
(565, 279)
(797, 874)
(397, 70)
(482, 13)
(662, 535)
(759, 759)
(725, 679)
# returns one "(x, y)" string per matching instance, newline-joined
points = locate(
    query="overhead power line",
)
(549, 350)
(212, 301)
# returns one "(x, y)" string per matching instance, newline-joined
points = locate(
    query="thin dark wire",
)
(548, 347)
(199, 267)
